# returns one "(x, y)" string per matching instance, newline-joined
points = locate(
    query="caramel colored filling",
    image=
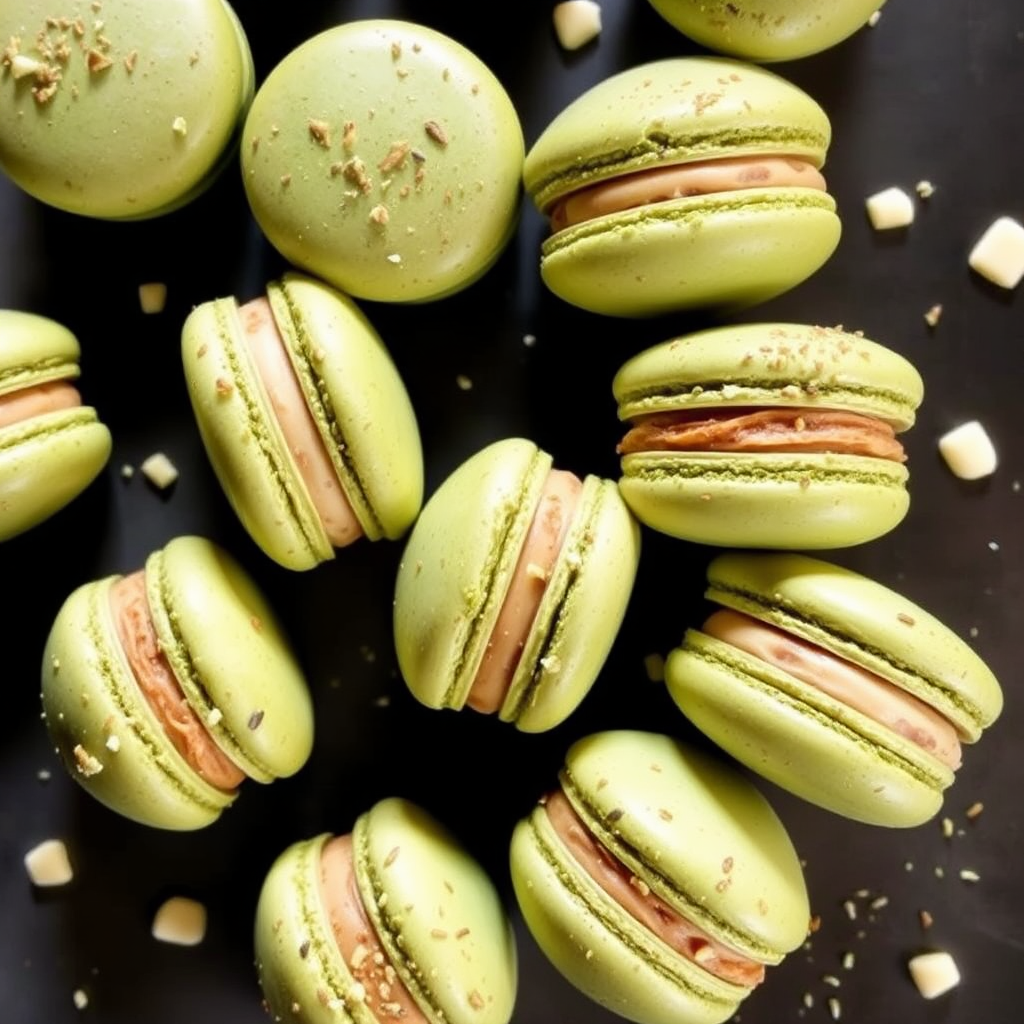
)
(764, 430)
(157, 681)
(385, 994)
(300, 431)
(636, 898)
(34, 401)
(860, 689)
(544, 541)
(661, 184)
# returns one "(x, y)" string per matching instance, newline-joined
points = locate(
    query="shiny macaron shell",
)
(46, 460)
(768, 499)
(799, 737)
(699, 836)
(435, 911)
(722, 249)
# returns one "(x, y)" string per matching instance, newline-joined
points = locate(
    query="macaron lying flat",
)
(768, 30)
(659, 882)
(305, 419)
(51, 446)
(513, 586)
(164, 689)
(120, 112)
(690, 182)
(392, 922)
(385, 158)
(832, 686)
(767, 435)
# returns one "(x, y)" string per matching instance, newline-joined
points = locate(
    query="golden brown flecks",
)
(224, 386)
(476, 1000)
(322, 997)
(404, 190)
(255, 720)
(97, 61)
(102, 42)
(354, 170)
(907, 620)
(800, 423)
(814, 924)
(705, 496)
(130, 61)
(640, 885)
(704, 100)
(86, 764)
(722, 884)
(974, 810)
(474, 88)
(395, 158)
(438, 933)
(78, 27)
(348, 135)
(320, 132)
(421, 173)
(926, 919)
(396, 50)
(462, 933)
(257, 623)
(762, 907)
(402, 72)
(193, 58)
(201, 351)
(436, 132)
(727, 865)
(391, 857)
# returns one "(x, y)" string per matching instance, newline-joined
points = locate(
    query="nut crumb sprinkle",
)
(907, 620)
(320, 132)
(476, 1000)
(395, 158)
(97, 61)
(933, 315)
(436, 132)
(86, 764)
(974, 810)
(379, 215)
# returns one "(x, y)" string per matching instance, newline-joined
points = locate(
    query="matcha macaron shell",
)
(356, 398)
(124, 113)
(767, 30)
(385, 158)
(50, 458)
(456, 570)
(797, 735)
(421, 890)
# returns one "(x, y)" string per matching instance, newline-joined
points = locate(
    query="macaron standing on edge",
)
(164, 689)
(305, 419)
(657, 881)
(688, 182)
(126, 115)
(385, 158)
(832, 686)
(512, 587)
(394, 921)
(767, 436)
(51, 446)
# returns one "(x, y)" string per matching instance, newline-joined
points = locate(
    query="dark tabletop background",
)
(934, 91)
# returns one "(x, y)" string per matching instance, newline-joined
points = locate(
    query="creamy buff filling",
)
(661, 184)
(157, 681)
(297, 424)
(383, 991)
(882, 701)
(798, 430)
(26, 403)
(635, 896)
(544, 540)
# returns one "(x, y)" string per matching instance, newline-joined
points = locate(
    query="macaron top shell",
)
(34, 350)
(866, 623)
(776, 364)
(385, 158)
(679, 110)
(123, 113)
(697, 833)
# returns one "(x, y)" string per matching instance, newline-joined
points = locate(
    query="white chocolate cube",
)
(934, 973)
(999, 254)
(968, 451)
(576, 22)
(160, 471)
(890, 208)
(47, 864)
(180, 921)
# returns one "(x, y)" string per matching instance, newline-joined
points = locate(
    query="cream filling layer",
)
(860, 689)
(37, 400)
(678, 181)
(297, 424)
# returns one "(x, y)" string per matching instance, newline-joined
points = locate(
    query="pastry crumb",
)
(48, 864)
(925, 189)
(159, 471)
(152, 297)
(86, 763)
(180, 921)
(577, 22)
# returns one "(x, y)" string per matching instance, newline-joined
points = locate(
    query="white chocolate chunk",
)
(576, 22)
(80, 999)
(890, 208)
(934, 973)
(180, 921)
(160, 471)
(152, 296)
(968, 451)
(999, 254)
(47, 864)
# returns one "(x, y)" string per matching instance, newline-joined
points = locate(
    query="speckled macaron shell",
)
(799, 737)
(385, 158)
(783, 500)
(720, 250)
(228, 654)
(442, 924)
(767, 30)
(143, 102)
(700, 836)
(47, 460)
(457, 567)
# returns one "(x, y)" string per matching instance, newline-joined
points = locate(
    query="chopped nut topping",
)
(223, 386)
(934, 314)
(130, 61)
(907, 620)
(974, 810)
(436, 132)
(379, 215)
(354, 170)
(348, 135)
(925, 918)
(97, 60)
(476, 1000)
(321, 132)
(395, 158)
(86, 764)
(396, 50)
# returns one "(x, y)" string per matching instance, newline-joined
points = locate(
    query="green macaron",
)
(51, 446)
(385, 158)
(688, 182)
(658, 881)
(336, 384)
(768, 30)
(143, 673)
(122, 111)
(430, 936)
(767, 435)
(880, 750)
(464, 566)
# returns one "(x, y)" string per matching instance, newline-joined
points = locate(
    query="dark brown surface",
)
(934, 91)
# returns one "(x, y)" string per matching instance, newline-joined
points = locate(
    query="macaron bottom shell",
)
(770, 500)
(726, 250)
